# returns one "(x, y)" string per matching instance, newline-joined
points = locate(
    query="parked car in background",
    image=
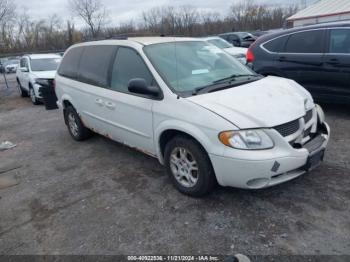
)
(258, 33)
(32, 70)
(240, 39)
(237, 52)
(11, 65)
(207, 120)
(317, 57)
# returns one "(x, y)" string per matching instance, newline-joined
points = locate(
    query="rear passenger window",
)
(95, 63)
(128, 65)
(70, 63)
(276, 45)
(339, 41)
(306, 42)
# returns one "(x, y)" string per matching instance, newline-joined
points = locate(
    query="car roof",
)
(42, 56)
(303, 28)
(140, 40)
(211, 38)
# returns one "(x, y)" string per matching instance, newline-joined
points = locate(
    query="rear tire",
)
(21, 91)
(189, 167)
(75, 126)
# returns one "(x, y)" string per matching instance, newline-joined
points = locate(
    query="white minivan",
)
(208, 121)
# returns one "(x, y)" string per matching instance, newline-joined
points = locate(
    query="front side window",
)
(339, 41)
(128, 65)
(306, 42)
(187, 66)
(95, 63)
(45, 64)
(23, 62)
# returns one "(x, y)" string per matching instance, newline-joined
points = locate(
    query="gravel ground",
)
(100, 197)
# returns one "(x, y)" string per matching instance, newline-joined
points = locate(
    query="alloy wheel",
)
(184, 167)
(73, 126)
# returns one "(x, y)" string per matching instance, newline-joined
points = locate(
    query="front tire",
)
(189, 167)
(33, 97)
(75, 126)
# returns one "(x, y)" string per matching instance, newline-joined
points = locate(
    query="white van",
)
(207, 120)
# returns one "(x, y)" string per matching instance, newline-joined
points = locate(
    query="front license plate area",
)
(314, 160)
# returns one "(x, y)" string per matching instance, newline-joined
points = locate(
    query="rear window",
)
(276, 45)
(306, 42)
(70, 63)
(95, 64)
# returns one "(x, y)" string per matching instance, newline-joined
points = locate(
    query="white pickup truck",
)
(32, 68)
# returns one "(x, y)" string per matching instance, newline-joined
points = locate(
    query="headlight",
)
(246, 139)
(320, 114)
(41, 81)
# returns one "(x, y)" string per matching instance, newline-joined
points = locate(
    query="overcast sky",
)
(124, 10)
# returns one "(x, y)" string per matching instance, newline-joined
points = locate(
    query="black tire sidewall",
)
(206, 179)
(83, 132)
(36, 102)
(21, 91)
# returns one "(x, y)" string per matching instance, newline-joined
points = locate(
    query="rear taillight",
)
(250, 56)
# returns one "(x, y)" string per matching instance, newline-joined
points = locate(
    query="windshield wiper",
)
(233, 77)
(221, 84)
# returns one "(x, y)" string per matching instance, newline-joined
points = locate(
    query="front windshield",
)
(221, 43)
(45, 64)
(187, 66)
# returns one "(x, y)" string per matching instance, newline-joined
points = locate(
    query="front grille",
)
(288, 128)
(308, 116)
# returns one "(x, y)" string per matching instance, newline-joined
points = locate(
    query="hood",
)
(44, 74)
(236, 50)
(268, 102)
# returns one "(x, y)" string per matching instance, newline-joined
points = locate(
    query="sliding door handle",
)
(110, 105)
(99, 101)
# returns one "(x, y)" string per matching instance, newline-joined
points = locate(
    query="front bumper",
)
(265, 168)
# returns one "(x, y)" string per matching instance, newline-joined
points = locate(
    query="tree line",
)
(21, 33)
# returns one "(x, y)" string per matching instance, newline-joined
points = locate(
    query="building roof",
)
(323, 8)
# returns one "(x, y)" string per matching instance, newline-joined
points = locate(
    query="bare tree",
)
(92, 12)
(7, 9)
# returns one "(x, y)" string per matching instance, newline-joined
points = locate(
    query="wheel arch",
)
(167, 132)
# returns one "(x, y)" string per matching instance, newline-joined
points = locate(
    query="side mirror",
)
(24, 69)
(139, 86)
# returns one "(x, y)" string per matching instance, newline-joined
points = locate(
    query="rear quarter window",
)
(95, 64)
(276, 45)
(70, 63)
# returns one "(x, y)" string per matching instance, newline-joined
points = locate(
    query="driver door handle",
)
(333, 61)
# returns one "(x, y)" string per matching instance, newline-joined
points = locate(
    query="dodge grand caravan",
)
(205, 116)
